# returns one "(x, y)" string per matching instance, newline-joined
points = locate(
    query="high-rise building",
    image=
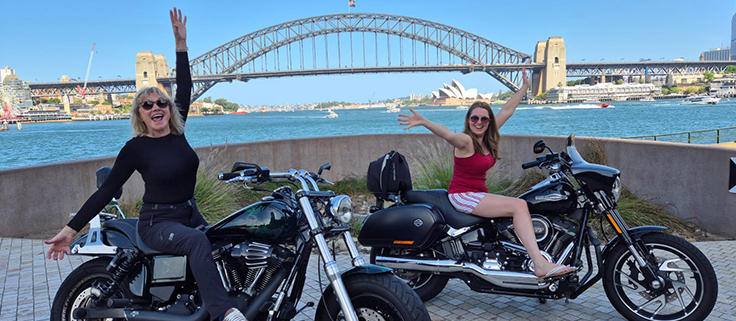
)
(733, 37)
(717, 54)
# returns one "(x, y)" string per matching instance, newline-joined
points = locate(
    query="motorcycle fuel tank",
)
(407, 226)
(268, 221)
(551, 198)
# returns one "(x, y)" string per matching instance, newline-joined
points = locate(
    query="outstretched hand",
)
(415, 119)
(60, 243)
(179, 25)
(524, 78)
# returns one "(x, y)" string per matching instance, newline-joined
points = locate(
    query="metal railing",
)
(706, 136)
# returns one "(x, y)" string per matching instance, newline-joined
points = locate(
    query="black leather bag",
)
(389, 175)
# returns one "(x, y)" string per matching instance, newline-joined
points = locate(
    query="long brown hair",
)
(490, 136)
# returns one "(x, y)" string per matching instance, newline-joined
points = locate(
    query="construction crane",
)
(81, 91)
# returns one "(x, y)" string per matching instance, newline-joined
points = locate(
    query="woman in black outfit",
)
(169, 220)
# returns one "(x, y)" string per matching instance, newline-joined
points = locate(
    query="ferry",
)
(392, 109)
(701, 100)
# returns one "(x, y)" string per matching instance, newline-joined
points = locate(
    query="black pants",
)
(174, 229)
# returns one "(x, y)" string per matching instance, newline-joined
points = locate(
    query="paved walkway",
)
(28, 283)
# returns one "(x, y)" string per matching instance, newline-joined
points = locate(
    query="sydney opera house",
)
(457, 95)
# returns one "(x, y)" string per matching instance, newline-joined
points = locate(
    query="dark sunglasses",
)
(483, 120)
(161, 102)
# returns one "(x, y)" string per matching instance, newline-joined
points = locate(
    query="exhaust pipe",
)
(129, 314)
(505, 279)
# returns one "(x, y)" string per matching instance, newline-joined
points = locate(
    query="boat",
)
(701, 100)
(462, 107)
(4, 126)
(392, 109)
(331, 114)
(603, 105)
(19, 126)
(647, 99)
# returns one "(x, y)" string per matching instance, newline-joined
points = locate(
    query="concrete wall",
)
(690, 180)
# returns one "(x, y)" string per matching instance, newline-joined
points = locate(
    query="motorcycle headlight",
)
(616, 189)
(341, 207)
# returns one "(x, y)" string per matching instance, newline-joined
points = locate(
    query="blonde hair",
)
(490, 137)
(176, 121)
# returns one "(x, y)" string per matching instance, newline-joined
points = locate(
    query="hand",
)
(524, 78)
(415, 119)
(179, 25)
(60, 243)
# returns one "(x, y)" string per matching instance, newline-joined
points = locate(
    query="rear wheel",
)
(689, 290)
(375, 297)
(76, 290)
(426, 285)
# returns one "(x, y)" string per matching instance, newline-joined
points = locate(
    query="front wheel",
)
(375, 297)
(690, 285)
(427, 285)
(76, 290)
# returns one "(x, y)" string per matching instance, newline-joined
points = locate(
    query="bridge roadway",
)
(28, 283)
(119, 86)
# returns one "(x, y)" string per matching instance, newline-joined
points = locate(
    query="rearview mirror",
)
(326, 166)
(539, 146)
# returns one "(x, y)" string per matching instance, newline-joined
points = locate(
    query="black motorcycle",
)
(647, 274)
(261, 252)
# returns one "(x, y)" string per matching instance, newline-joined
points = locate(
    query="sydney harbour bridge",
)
(368, 43)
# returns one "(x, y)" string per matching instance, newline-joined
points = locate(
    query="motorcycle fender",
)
(635, 233)
(93, 243)
(355, 270)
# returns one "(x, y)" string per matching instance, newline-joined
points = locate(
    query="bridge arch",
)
(239, 56)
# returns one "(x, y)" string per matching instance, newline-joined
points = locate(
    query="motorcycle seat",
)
(129, 227)
(438, 198)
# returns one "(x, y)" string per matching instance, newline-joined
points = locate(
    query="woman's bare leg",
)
(493, 206)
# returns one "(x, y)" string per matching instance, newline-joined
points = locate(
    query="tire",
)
(427, 285)
(375, 297)
(74, 292)
(691, 287)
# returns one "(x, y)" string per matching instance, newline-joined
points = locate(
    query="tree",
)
(208, 99)
(54, 101)
(619, 82)
(675, 90)
(94, 102)
(730, 70)
(106, 103)
(708, 76)
(542, 96)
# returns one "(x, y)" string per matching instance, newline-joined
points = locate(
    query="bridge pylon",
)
(150, 67)
(552, 54)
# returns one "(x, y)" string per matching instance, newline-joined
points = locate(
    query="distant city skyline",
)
(44, 40)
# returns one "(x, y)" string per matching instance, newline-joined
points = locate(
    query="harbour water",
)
(43, 143)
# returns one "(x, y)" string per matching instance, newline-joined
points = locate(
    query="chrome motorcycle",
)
(647, 274)
(261, 252)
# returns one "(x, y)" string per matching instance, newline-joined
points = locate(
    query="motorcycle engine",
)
(543, 230)
(250, 265)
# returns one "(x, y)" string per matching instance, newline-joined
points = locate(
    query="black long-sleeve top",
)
(167, 164)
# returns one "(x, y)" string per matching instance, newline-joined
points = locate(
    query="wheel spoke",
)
(666, 266)
(631, 280)
(661, 302)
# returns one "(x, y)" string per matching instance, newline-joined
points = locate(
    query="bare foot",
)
(551, 269)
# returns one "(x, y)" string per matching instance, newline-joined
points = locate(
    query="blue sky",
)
(43, 40)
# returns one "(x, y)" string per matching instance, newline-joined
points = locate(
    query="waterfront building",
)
(723, 87)
(717, 54)
(6, 72)
(605, 91)
(19, 91)
(456, 94)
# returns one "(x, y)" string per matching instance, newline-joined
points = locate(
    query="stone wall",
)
(691, 181)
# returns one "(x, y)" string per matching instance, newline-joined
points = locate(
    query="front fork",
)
(331, 268)
(638, 250)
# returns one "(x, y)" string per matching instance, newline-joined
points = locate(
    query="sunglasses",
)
(483, 120)
(161, 102)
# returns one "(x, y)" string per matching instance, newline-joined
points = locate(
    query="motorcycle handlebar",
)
(228, 176)
(530, 164)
